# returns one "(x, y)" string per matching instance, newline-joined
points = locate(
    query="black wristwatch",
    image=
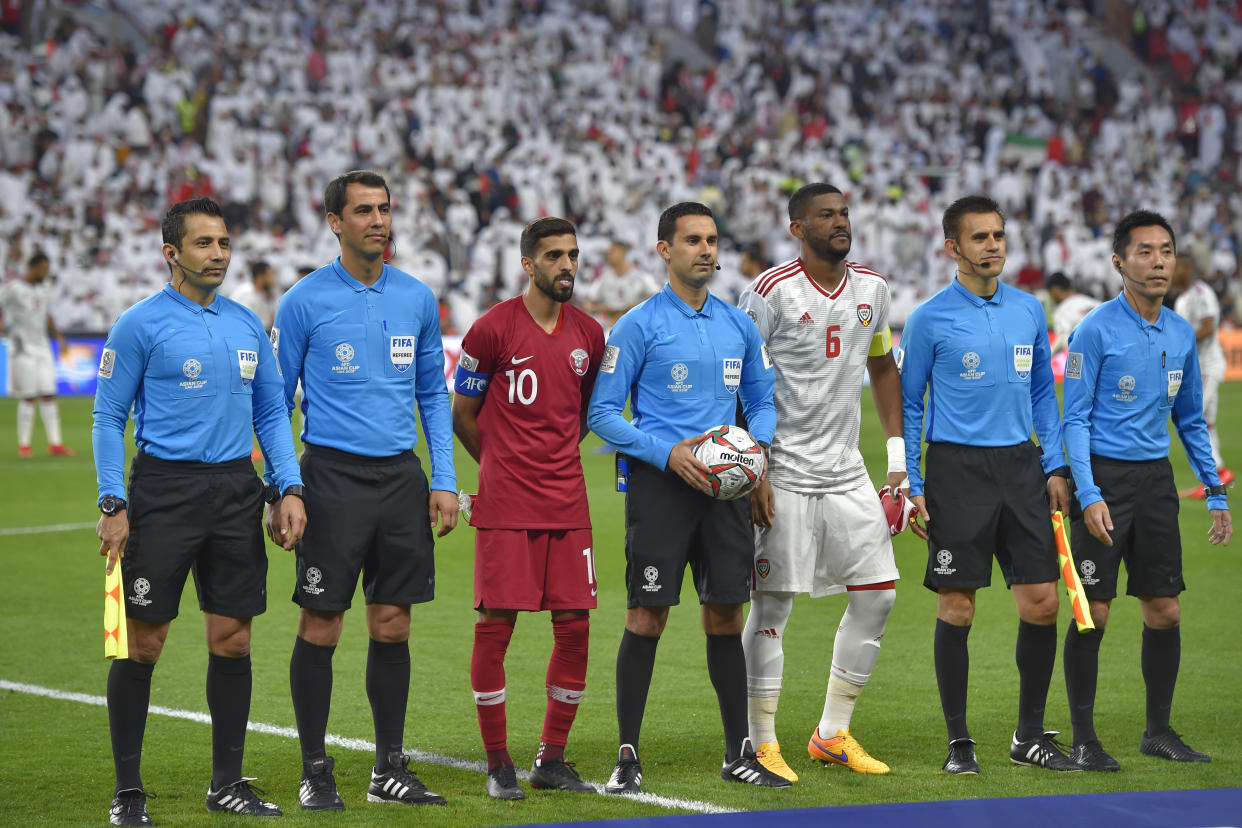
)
(1062, 472)
(111, 504)
(1213, 491)
(271, 493)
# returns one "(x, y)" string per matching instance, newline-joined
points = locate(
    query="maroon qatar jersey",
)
(536, 386)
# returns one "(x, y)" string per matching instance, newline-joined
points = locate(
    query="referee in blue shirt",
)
(199, 374)
(683, 358)
(979, 350)
(364, 340)
(1132, 363)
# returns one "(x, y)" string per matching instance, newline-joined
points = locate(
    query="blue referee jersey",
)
(1123, 378)
(683, 371)
(987, 364)
(200, 381)
(365, 355)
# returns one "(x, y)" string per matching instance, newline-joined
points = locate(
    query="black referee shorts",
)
(986, 501)
(204, 518)
(1142, 501)
(365, 515)
(667, 525)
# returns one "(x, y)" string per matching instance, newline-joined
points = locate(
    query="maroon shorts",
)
(527, 569)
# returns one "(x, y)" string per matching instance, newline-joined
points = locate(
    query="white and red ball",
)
(735, 461)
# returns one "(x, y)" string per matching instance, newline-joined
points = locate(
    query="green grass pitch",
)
(55, 759)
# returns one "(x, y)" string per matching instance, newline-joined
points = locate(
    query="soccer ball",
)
(736, 461)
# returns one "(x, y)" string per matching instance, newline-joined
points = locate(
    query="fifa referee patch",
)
(1073, 366)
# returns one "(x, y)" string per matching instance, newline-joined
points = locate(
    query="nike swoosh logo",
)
(517, 361)
(842, 757)
(592, 593)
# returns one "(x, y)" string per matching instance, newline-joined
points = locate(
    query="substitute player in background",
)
(1132, 364)
(981, 347)
(1071, 307)
(1197, 304)
(819, 526)
(524, 378)
(198, 372)
(364, 340)
(25, 320)
(683, 358)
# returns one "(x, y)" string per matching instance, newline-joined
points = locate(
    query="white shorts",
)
(823, 543)
(32, 374)
(1211, 392)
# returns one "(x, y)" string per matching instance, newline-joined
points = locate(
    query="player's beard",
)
(547, 284)
(829, 248)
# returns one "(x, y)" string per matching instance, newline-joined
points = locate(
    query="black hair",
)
(668, 219)
(173, 226)
(800, 201)
(952, 221)
(542, 228)
(334, 194)
(1134, 220)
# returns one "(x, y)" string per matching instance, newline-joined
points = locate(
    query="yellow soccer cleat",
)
(769, 755)
(843, 749)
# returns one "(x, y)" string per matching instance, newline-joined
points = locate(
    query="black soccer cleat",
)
(400, 784)
(318, 789)
(746, 769)
(962, 758)
(242, 798)
(1168, 745)
(1091, 756)
(1041, 752)
(129, 807)
(558, 775)
(627, 776)
(502, 783)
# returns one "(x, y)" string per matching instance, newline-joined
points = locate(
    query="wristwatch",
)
(111, 504)
(1212, 491)
(271, 493)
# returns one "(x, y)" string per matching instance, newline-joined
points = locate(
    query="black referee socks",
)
(952, 675)
(310, 685)
(129, 696)
(228, 698)
(1036, 655)
(1162, 656)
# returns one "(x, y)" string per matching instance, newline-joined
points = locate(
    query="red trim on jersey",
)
(768, 280)
(863, 587)
(857, 268)
(820, 287)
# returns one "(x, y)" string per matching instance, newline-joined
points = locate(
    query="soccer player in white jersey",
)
(1198, 305)
(1071, 307)
(819, 527)
(25, 320)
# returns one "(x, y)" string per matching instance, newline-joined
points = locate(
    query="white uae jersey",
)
(1197, 303)
(819, 343)
(25, 308)
(1067, 315)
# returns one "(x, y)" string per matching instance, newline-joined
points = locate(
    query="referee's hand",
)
(286, 521)
(113, 533)
(689, 468)
(1099, 522)
(443, 510)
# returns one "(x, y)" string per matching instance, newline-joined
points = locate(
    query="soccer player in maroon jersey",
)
(523, 381)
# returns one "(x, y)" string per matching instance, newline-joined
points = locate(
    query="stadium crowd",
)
(488, 113)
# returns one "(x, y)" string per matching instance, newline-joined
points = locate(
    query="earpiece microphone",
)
(185, 269)
(718, 267)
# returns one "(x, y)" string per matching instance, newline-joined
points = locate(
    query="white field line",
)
(420, 756)
(39, 530)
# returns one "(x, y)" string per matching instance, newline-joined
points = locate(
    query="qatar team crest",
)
(578, 361)
(864, 315)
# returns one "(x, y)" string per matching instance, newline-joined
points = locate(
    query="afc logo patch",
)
(864, 315)
(651, 575)
(943, 558)
(1073, 366)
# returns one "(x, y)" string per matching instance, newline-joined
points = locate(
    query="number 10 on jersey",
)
(523, 386)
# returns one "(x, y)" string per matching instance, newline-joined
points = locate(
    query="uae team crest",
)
(864, 315)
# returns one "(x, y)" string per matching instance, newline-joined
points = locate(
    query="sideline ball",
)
(736, 461)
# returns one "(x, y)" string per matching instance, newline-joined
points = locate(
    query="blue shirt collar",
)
(686, 310)
(189, 304)
(353, 284)
(978, 301)
(1133, 314)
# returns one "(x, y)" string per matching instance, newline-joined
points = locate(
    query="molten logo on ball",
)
(734, 460)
